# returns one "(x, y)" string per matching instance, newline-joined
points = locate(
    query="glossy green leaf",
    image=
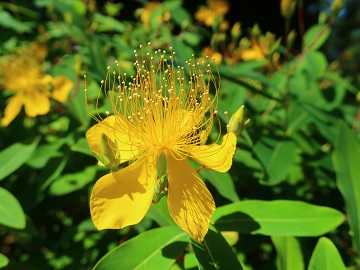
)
(277, 157)
(326, 256)
(14, 156)
(11, 212)
(346, 159)
(215, 253)
(154, 249)
(277, 218)
(4, 261)
(222, 182)
(316, 36)
(288, 253)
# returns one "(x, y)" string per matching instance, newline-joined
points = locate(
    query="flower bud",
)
(237, 121)
(107, 154)
(287, 8)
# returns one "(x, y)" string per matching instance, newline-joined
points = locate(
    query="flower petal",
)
(13, 108)
(36, 103)
(62, 87)
(122, 198)
(121, 139)
(214, 156)
(190, 202)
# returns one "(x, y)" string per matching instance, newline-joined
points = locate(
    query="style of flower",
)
(23, 76)
(160, 118)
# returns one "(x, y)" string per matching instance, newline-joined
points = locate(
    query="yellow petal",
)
(36, 103)
(122, 198)
(190, 202)
(118, 136)
(62, 87)
(214, 156)
(13, 108)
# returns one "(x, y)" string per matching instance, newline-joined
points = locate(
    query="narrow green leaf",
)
(277, 157)
(14, 156)
(346, 159)
(288, 253)
(11, 212)
(316, 36)
(277, 218)
(4, 261)
(215, 253)
(155, 249)
(223, 184)
(326, 256)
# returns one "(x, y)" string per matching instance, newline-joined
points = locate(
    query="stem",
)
(308, 48)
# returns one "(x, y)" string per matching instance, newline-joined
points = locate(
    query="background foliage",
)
(292, 197)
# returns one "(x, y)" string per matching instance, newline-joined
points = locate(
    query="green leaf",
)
(14, 156)
(82, 146)
(277, 218)
(277, 157)
(8, 21)
(215, 253)
(326, 256)
(106, 23)
(346, 159)
(160, 214)
(315, 64)
(316, 36)
(155, 249)
(222, 182)
(190, 261)
(288, 253)
(11, 213)
(4, 261)
(43, 153)
(74, 181)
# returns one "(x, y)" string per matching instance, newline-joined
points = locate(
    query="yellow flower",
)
(215, 8)
(160, 118)
(23, 76)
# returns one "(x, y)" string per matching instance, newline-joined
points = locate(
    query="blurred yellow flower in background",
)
(208, 14)
(22, 75)
(160, 118)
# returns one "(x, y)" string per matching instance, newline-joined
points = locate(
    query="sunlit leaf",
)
(154, 249)
(11, 212)
(277, 218)
(326, 256)
(4, 261)
(288, 253)
(14, 156)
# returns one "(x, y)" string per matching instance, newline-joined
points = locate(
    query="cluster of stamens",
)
(164, 105)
